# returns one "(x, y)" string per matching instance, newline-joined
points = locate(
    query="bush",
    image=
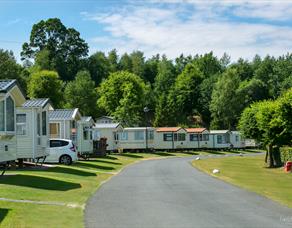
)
(286, 154)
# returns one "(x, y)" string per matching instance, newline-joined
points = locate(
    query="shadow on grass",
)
(64, 170)
(39, 182)
(214, 152)
(102, 161)
(189, 152)
(109, 157)
(3, 213)
(163, 154)
(131, 155)
(92, 166)
(253, 151)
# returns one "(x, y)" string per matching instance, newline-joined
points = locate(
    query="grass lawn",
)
(66, 184)
(250, 173)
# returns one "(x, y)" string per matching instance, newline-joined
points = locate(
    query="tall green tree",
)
(82, 93)
(113, 60)
(163, 83)
(99, 67)
(151, 68)
(123, 96)
(224, 106)
(64, 45)
(10, 69)
(46, 84)
(138, 63)
(125, 63)
(183, 98)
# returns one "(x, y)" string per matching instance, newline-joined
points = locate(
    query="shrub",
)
(286, 154)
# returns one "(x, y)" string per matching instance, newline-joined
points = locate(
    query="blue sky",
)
(239, 28)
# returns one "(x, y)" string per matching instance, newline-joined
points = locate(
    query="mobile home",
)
(84, 135)
(63, 124)
(236, 140)
(11, 96)
(170, 138)
(220, 138)
(32, 128)
(198, 138)
(134, 138)
(110, 131)
(105, 120)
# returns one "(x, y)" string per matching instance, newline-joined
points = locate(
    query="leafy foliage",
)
(81, 93)
(64, 45)
(46, 84)
(123, 96)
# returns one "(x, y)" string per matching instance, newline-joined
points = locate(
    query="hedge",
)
(286, 154)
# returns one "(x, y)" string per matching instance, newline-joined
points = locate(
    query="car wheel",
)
(65, 160)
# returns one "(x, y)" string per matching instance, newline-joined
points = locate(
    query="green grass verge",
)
(67, 184)
(250, 173)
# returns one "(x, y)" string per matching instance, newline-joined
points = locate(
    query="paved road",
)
(170, 193)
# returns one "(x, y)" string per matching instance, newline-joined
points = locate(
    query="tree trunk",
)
(277, 156)
(273, 158)
(270, 158)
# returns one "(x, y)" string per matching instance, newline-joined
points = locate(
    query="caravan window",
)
(124, 135)
(21, 124)
(193, 137)
(139, 135)
(150, 135)
(38, 124)
(2, 116)
(44, 123)
(167, 137)
(181, 137)
(204, 137)
(219, 139)
(54, 129)
(9, 114)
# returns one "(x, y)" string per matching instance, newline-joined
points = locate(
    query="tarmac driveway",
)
(170, 193)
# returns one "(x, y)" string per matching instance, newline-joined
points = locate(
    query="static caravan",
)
(32, 128)
(63, 124)
(236, 140)
(220, 138)
(11, 96)
(105, 120)
(110, 131)
(198, 138)
(170, 138)
(84, 135)
(134, 138)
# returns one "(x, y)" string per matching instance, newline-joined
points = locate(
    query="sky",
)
(240, 28)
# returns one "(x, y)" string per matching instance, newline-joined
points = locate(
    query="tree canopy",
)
(123, 96)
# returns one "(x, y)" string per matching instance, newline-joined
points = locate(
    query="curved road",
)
(169, 193)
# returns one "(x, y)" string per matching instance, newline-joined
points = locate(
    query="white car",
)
(62, 151)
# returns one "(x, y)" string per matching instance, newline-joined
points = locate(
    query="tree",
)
(99, 67)
(183, 98)
(151, 68)
(138, 63)
(10, 69)
(82, 93)
(269, 122)
(113, 59)
(46, 84)
(64, 45)
(163, 83)
(125, 63)
(123, 95)
(225, 108)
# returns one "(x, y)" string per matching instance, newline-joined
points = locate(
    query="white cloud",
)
(196, 27)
